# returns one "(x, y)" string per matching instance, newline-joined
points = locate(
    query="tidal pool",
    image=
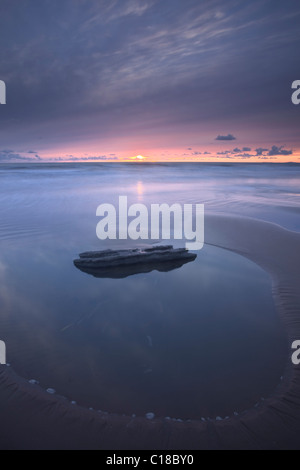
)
(202, 340)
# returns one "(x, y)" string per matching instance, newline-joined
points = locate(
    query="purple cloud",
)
(226, 137)
(279, 151)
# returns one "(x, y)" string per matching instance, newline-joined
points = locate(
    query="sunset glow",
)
(139, 158)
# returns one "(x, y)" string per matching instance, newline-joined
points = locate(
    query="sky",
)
(168, 80)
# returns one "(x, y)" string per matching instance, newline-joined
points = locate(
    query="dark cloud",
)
(279, 151)
(237, 153)
(226, 137)
(11, 156)
(261, 151)
(275, 151)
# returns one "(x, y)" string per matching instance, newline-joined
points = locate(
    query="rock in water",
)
(123, 263)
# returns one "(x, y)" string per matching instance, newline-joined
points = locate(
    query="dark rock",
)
(123, 263)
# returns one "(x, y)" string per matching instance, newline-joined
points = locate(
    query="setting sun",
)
(139, 157)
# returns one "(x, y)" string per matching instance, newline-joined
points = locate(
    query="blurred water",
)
(203, 340)
(62, 198)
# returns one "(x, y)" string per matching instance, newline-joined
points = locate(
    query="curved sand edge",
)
(36, 420)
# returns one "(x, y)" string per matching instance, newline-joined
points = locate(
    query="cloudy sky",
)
(184, 80)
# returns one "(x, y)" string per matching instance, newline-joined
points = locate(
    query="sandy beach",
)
(36, 420)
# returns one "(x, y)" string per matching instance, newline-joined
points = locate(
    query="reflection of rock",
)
(122, 263)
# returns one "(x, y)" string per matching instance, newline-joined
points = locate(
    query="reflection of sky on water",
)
(215, 345)
(201, 340)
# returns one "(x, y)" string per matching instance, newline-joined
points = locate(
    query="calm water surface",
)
(202, 340)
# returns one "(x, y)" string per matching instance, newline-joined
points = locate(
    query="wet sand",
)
(33, 419)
